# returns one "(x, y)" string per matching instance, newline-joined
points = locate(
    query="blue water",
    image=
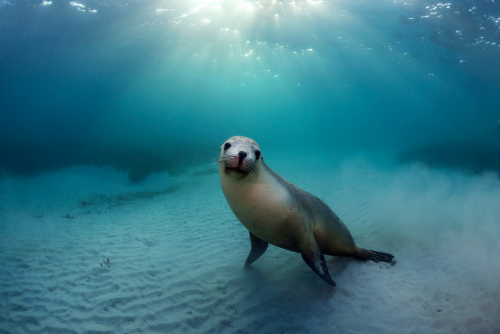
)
(146, 87)
(82, 81)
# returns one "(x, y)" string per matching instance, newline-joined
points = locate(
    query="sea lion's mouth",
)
(236, 170)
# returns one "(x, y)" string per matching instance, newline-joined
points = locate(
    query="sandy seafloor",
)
(176, 257)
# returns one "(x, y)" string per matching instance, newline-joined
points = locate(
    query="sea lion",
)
(277, 212)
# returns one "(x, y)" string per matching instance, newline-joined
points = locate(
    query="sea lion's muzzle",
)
(239, 163)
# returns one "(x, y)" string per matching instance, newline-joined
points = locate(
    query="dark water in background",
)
(155, 85)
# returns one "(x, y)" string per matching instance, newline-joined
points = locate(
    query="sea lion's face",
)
(240, 157)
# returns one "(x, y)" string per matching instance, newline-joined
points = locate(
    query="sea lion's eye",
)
(257, 155)
(226, 146)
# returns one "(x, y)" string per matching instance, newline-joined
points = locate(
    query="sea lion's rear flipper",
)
(259, 246)
(314, 258)
(381, 257)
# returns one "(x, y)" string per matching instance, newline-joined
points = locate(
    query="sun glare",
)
(247, 6)
(230, 37)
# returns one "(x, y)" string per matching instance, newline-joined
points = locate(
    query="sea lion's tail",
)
(380, 257)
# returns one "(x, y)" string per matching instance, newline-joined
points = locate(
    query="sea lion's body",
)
(273, 209)
(277, 212)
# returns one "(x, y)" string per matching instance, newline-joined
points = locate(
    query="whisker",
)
(222, 164)
(254, 170)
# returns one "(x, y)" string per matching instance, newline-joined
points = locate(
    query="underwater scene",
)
(134, 196)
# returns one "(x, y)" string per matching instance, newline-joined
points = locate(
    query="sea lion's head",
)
(240, 157)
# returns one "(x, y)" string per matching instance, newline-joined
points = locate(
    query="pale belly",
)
(266, 211)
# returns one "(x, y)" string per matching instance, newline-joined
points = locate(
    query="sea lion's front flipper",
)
(314, 258)
(259, 246)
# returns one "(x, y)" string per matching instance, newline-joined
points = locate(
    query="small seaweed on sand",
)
(105, 264)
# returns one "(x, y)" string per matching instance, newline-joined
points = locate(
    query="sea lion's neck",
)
(262, 188)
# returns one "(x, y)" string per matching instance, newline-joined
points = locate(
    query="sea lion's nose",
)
(242, 155)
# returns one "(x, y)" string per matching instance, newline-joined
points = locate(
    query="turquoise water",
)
(83, 81)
